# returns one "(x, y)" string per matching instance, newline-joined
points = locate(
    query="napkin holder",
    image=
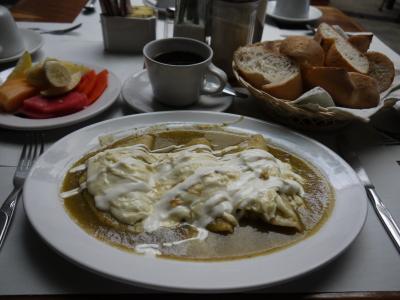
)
(127, 34)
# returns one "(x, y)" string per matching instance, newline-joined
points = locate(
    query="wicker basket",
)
(283, 111)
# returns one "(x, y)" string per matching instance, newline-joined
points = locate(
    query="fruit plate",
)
(108, 97)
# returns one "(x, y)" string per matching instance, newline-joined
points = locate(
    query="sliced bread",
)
(245, 58)
(361, 41)
(326, 35)
(381, 68)
(303, 49)
(339, 51)
(270, 71)
(343, 55)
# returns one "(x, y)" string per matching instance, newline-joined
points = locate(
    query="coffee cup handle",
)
(220, 75)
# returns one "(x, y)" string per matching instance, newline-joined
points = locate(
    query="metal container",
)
(191, 19)
(260, 20)
(233, 25)
(127, 35)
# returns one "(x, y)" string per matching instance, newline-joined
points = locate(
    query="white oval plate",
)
(47, 215)
(108, 97)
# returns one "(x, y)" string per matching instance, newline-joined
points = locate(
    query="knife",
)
(383, 213)
(6, 214)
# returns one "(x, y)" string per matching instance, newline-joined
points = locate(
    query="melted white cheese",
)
(191, 184)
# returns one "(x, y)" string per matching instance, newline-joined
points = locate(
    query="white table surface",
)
(29, 267)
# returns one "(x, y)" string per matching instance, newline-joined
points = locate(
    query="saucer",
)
(137, 92)
(33, 41)
(313, 15)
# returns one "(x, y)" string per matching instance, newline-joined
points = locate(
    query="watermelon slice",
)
(41, 107)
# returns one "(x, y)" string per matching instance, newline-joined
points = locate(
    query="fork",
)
(32, 149)
(388, 138)
(57, 31)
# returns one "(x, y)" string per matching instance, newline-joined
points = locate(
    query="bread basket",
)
(315, 117)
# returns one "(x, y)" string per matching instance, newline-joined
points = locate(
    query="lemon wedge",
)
(57, 74)
(23, 64)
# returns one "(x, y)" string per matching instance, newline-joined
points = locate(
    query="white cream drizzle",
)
(154, 249)
(202, 234)
(74, 191)
(78, 168)
(134, 183)
(148, 249)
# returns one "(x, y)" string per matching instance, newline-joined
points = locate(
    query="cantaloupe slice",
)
(14, 92)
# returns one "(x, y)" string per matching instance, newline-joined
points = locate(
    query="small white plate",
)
(137, 92)
(108, 97)
(33, 41)
(313, 15)
(46, 213)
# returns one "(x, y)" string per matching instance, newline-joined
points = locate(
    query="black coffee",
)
(179, 58)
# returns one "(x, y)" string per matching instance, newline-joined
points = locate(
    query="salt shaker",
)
(233, 25)
(169, 20)
(191, 19)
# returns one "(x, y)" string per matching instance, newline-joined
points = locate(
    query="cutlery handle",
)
(221, 77)
(384, 215)
(7, 212)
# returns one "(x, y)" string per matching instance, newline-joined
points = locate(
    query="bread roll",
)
(289, 89)
(365, 93)
(272, 45)
(381, 68)
(347, 89)
(332, 60)
(336, 81)
(361, 42)
(343, 55)
(304, 50)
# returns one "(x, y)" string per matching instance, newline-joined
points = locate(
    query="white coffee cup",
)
(11, 42)
(177, 69)
(298, 9)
